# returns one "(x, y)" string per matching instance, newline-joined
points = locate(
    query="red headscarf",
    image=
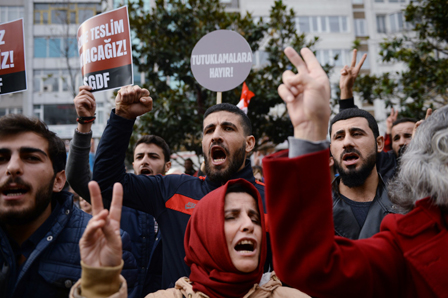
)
(212, 271)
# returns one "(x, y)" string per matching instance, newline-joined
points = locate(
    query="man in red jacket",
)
(407, 258)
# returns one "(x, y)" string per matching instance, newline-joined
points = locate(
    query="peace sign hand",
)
(100, 245)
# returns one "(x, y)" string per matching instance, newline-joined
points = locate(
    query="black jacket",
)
(170, 199)
(345, 223)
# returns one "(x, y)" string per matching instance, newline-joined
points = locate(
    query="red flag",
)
(246, 95)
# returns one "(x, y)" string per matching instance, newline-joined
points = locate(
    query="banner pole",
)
(218, 97)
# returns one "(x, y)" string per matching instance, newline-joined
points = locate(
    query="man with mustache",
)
(151, 157)
(227, 141)
(398, 133)
(360, 199)
(407, 258)
(39, 225)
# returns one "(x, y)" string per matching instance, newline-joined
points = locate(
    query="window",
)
(52, 80)
(336, 24)
(343, 57)
(10, 13)
(304, 24)
(100, 112)
(381, 23)
(6, 111)
(64, 13)
(360, 27)
(396, 22)
(45, 47)
(54, 114)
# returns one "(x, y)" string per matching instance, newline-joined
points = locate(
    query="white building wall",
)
(353, 10)
(29, 101)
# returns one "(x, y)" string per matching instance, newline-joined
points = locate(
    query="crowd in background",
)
(344, 212)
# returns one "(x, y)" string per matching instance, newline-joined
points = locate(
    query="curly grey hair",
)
(424, 166)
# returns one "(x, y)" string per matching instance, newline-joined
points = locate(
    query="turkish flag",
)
(246, 95)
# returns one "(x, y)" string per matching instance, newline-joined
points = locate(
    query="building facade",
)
(53, 71)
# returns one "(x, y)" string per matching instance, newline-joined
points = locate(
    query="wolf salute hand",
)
(132, 101)
(307, 96)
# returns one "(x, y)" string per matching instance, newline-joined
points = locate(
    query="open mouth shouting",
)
(350, 158)
(246, 247)
(146, 171)
(14, 191)
(218, 155)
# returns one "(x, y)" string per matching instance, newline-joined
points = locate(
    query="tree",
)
(166, 37)
(424, 52)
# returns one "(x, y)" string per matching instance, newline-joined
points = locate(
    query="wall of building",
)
(337, 23)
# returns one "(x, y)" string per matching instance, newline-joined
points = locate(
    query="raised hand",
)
(349, 75)
(390, 120)
(85, 107)
(100, 245)
(307, 96)
(85, 102)
(132, 101)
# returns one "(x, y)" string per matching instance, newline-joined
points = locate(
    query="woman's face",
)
(242, 227)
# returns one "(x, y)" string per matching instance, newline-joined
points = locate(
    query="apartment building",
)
(52, 62)
(53, 67)
(338, 23)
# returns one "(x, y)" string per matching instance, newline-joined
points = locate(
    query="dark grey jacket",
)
(345, 223)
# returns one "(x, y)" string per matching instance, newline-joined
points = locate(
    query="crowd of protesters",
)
(355, 214)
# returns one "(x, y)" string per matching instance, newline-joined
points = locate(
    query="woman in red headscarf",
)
(225, 246)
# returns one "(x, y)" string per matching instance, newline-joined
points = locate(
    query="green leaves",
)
(424, 52)
(166, 36)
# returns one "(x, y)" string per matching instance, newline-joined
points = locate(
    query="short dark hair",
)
(353, 113)
(158, 141)
(13, 124)
(403, 120)
(227, 107)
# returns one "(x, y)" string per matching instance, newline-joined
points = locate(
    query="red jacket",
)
(407, 258)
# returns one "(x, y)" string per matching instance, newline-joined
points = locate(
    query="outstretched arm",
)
(347, 81)
(109, 167)
(307, 255)
(349, 75)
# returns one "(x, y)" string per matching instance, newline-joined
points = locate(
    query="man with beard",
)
(151, 157)
(398, 132)
(360, 199)
(39, 225)
(227, 140)
(407, 258)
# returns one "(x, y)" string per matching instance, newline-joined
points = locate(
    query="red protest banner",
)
(12, 57)
(105, 50)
